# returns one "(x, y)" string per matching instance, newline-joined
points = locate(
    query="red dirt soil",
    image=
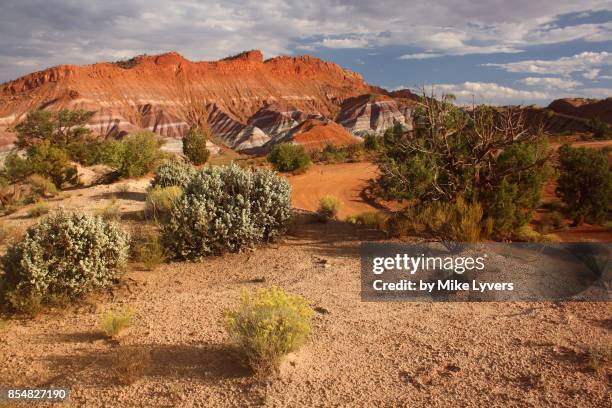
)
(347, 181)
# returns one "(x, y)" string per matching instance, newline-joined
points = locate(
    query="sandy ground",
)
(359, 354)
(347, 181)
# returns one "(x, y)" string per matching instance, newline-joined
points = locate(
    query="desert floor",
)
(359, 354)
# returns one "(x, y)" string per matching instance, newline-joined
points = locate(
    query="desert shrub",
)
(527, 234)
(54, 128)
(268, 325)
(16, 167)
(66, 253)
(148, 251)
(130, 363)
(161, 200)
(172, 173)
(194, 146)
(226, 208)
(42, 186)
(486, 156)
(329, 206)
(51, 162)
(137, 154)
(600, 129)
(38, 209)
(115, 320)
(9, 233)
(97, 151)
(289, 157)
(371, 142)
(550, 221)
(375, 219)
(585, 183)
(460, 221)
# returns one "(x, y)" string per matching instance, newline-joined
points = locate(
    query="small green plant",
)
(161, 200)
(287, 157)
(329, 206)
(130, 363)
(194, 146)
(38, 210)
(115, 320)
(148, 251)
(268, 325)
(600, 129)
(42, 186)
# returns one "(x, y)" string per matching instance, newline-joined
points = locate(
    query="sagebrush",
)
(65, 254)
(225, 208)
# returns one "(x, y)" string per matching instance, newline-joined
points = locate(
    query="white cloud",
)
(580, 63)
(489, 92)
(550, 82)
(345, 43)
(591, 73)
(419, 56)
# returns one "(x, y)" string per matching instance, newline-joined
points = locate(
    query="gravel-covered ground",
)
(359, 354)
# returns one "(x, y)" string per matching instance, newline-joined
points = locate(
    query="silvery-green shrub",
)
(172, 173)
(226, 208)
(66, 254)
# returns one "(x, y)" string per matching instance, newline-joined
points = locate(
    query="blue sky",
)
(502, 52)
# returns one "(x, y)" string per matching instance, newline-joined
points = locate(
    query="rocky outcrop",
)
(374, 114)
(247, 102)
(584, 108)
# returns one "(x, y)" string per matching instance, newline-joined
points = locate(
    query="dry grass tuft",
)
(115, 320)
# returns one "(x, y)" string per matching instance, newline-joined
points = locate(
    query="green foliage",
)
(371, 142)
(42, 186)
(16, 167)
(600, 129)
(329, 206)
(268, 325)
(148, 251)
(486, 156)
(97, 151)
(67, 254)
(137, 155)
(289, 157)
(551, 221)
(459, 221)
(52, 162)
(194, 146)
(161, 200)
(226, 208)
(115, 320)
(585, 183)
(173, 173)
(57, 129)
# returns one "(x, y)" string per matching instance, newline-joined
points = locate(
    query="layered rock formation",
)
(372, 113)
(245, 100)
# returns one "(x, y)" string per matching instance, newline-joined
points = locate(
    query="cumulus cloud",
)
(580, 63)
(488, 92)
(550, 82)
(48, 32)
